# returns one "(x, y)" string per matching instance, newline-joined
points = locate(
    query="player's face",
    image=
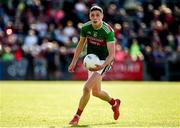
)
(96, 17)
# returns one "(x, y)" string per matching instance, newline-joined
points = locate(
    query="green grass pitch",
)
(27, 104)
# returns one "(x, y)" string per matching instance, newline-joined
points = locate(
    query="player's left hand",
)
(98, 67)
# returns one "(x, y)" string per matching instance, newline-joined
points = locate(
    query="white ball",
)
(91, 60)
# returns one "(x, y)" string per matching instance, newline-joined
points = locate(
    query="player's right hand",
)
(71, 67)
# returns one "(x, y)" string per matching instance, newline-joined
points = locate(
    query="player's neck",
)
(96, 27)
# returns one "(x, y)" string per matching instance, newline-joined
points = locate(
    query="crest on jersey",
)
(89, 32)
(95, 34)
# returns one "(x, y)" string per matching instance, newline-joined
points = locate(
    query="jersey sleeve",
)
(110, 37)
(83, 32)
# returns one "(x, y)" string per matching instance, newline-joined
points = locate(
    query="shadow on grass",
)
(81, 126)
(96, 124)
(77, 126)
(108, 123)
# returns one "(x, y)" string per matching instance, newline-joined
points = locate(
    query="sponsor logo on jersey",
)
(96, 41)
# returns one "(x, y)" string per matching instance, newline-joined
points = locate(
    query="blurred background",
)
(38, 38)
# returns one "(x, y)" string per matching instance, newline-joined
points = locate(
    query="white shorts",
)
(102, 71)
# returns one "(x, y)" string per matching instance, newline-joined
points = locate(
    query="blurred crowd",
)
(46, 32)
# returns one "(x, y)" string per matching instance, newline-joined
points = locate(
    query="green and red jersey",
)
(97, 39)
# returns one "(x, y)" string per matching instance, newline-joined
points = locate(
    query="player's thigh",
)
(93, 80)
(97, 85)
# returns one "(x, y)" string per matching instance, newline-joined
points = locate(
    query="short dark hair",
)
(95, 7)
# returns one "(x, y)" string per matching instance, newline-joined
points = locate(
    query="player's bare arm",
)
(110, 57)
(77, 53)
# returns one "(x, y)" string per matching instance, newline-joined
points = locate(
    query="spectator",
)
(69, 30)
(30, 40)
(135, 51)
(7, 55)
(121, 54)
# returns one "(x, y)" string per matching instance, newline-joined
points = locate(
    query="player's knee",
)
(95, 93)
(86, 90)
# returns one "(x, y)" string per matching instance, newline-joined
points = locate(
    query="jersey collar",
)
(99, 27)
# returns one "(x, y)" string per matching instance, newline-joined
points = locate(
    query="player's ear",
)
(90, 16)
(102, 16)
